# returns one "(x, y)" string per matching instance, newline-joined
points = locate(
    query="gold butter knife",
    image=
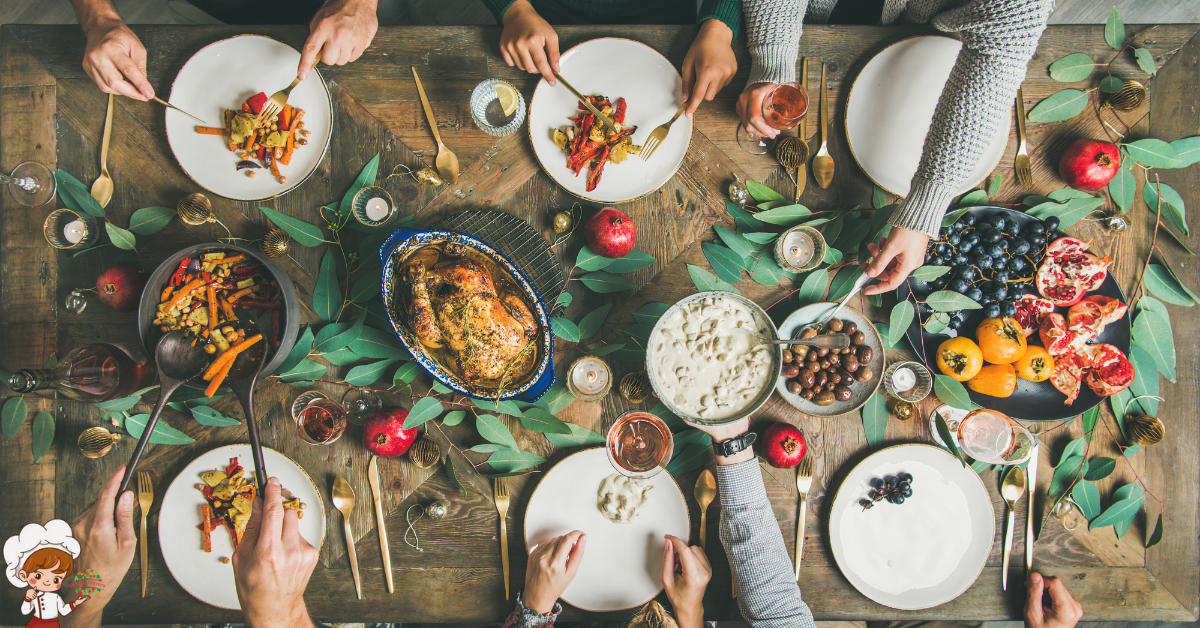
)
(167, 104)
(373, 478)
(587, 103)
(802, 171)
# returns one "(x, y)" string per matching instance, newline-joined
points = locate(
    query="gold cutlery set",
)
(793, 153)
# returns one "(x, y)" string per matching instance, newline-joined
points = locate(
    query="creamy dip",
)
(621, 498)
(705, 364)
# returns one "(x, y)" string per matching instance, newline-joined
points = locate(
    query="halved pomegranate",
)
(1067, 375)
(1069, 271)
(1031, 310)
(1110, 372)
(1087, 318)
(1056, 338)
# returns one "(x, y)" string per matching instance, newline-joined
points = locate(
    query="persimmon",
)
(959, 358)
(1001, 340)
(995, 380)
(1036, 365)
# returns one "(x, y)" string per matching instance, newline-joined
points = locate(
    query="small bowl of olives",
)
(830, 382)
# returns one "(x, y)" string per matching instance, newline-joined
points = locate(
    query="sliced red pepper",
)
(207, 277)
(593, 177)
(616, 139)
(256, 102)
(177, 278)
(246, 108)
(619, 111)
(590, 151)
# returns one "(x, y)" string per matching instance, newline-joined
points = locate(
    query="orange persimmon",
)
(1001, 340)
(996, 380)
(959, 358)
(1036, 365)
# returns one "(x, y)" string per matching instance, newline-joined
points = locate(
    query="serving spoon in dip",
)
(822, 341)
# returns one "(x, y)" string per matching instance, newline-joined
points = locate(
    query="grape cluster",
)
(892, 488)
(992, 261)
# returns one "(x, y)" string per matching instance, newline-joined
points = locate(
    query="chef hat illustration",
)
(33, 537)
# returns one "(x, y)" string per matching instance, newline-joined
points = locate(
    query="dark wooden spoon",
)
(177, 360)
(242, 378)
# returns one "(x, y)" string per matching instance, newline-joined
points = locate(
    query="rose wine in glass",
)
(322, 422)
(639, 444)
(992, 437)
(782, 109)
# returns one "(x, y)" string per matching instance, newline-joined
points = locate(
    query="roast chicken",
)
(487, 335)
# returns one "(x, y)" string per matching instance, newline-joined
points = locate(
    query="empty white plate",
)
(891, 107)
(622, 563)
(222, 75)
(614, 68)
(924, 552)
(201, 573)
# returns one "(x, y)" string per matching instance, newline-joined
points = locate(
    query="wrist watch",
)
(727, 448)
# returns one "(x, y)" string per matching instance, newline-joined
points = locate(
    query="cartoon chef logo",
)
(43, 558)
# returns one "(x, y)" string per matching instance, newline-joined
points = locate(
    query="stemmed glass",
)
(782, 109)
(639, 444)
(995, 438)
(31, 183)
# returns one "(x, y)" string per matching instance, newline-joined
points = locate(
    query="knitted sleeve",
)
(728, 11)
(773, 32)
(498, 7)
(999, 37)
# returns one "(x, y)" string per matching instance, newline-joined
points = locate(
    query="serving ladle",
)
(242, 378)
(821, 341)
(177, 359)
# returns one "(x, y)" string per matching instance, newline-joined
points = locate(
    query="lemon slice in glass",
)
(508, 98)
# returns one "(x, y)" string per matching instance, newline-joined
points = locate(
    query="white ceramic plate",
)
(199, 573)
(891, 107)
(622, 565)
(222, 75)
(614, 68)
(862, 390)
(924, 552)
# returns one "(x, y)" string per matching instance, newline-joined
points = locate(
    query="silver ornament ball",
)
(437, 509)
(738, 193)
(1117, 223)
(76, 301)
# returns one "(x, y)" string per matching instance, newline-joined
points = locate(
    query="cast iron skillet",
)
(1032, 401)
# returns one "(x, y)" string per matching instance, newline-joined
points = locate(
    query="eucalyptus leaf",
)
(994, 184)
(205, 415)
(367, 374)
(341, 356)
(454, 418)
(299, 350)
(843, 282)
(1145, 61)
(377, 343)
(691, 458)
(943, 430)
(1111, 84)
(1100, 468)
(762, 193)
(120, 238)
(762, 238)
(557, 399)
(1062, 105)
(1066, 474)
(424, 409)
(1145, 383)
(1163, 283)
(649, 313)
(637, 259)
(739, 245)
(878, 197)
(365, 177)
(1076, 447)
(590, 325)
(813, 288)
(1087, 497)
(705, 280)
(578, 437)
(1114, 30)
(767, 271)
(1131, 450)
(503, 407)
(149, 220)
(453, 476)
(1156, 536)
(305, 370)
(606, 349)
(874, 419)
(900, 319)
(687, 437)
(832, 256)
(952, 217)
(1188, 149)
(565, 329)
(508, 460)
(785, 216)
(493, 430)
(302, 232)
(487, 448)
(1122, 188)
(951, 392)
(406, 373)
(163, 434)
(43, 435)
(327, 301)
(605, 283)
(725, 263)
(1118, 512)
(674, 423)
(368, 286)
(975, 198)
(1152, 333)
(590, 260)
(1073, 67)
(539, 419)
(950, 301)
(929, 273)
(937, 323)
(1171, 204)
(885, 332)
(13, 416)
(76, 196)
(1153, 153)
(743, 219)
(1063, 195)
(1089, 422)
(1068, 213)
(564, 299)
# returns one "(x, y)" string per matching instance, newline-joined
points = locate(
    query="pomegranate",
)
(610, 233)
(1068, 373)
(1056, 338)
(1111, 371)
(1031, 310)
(120, 287)
(1069, 271)
(1089, 164)
(384, 433)
(1087, 318)
(783, 445)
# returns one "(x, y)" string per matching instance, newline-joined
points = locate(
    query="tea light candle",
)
(904, 379)
(798, 248)
(74, 231)
(377, 209)
(590, 378)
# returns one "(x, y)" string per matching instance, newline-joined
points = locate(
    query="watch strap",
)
(734, 445)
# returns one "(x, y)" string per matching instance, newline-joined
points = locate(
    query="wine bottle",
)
(92, 373)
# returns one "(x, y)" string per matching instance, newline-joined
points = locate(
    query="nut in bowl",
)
(468, 314)
(704, 362)
(817, 383)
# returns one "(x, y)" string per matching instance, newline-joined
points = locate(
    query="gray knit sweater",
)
(999, 37)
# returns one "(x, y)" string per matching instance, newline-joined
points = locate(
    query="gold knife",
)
(587, 103)
(802, 171)
(167, 104)
(373, 478)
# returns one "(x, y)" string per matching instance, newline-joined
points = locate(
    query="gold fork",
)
(145, 499)
(656, 138)
(275, 103)
(804, 477)
(500, 490)
(1021, 164)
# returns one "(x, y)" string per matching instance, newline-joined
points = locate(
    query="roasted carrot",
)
(205, 515)
(227, 309)
(228, 357)
(209, 130)
(166, 293)
(288, 147)
(179, 296)
(212, 308)
(250, 140)
(232, 259)
(243, 292)
(218, 380)
(285, 117)
(276, 153)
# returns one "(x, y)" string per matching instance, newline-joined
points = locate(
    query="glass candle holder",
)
(589, 379)
(70, 231)
(373, 206)
(800, 249)
(489, 115)
(908, 381)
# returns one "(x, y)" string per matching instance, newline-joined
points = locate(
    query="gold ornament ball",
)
(276, 242)
(424, 453)
(1144, 430)
(195, 209)
(428, 176)
(562, 222)
(95, 442)
(789, 153)
(635, 387)
(1130, 97)
(903, 410)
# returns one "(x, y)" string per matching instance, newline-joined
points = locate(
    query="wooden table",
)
(50, 111)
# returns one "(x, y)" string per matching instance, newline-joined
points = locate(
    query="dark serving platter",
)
(1032, 401)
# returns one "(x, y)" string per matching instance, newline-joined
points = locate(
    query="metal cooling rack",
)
(516, 239)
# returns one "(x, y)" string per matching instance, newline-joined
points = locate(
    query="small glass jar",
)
(489, 115)
(800, 249)
(67, 230)
(908, 381)
(373, 206)
(589, 379)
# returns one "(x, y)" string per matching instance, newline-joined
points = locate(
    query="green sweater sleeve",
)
(498, 7)
(728, 11)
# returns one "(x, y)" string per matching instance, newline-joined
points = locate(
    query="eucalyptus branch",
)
(1137, 291)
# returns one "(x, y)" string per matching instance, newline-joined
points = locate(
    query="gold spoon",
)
(102, 187)
(1011, 489)
(822, 164)
(343, 500)
(706, 490)
(446, 162)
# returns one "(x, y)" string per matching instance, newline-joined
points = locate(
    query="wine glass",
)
(360, 403)
(31, 183)
(782, 109)
(639, 444)
(995, 438)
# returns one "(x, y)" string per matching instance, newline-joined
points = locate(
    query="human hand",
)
(30, 594)
(104, 547)
(685, 573)
(115, 58)
(725, 432)
(1057, 610)
(552, 566)
(903, 252)
(749, 109)
(709, 64)
(272, 564)
(338, 34)
(528, 41)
